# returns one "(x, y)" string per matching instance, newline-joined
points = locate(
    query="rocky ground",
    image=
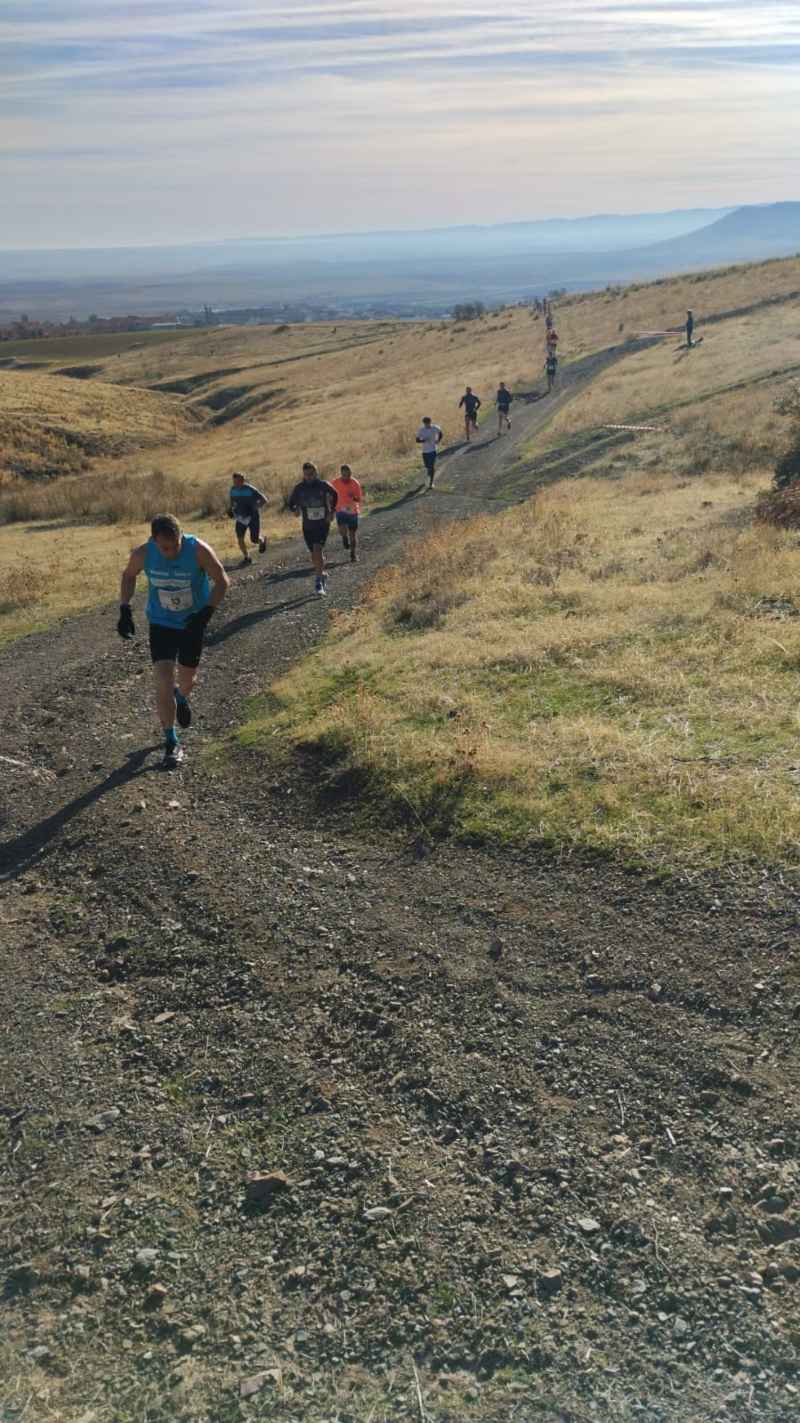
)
(297, 1127)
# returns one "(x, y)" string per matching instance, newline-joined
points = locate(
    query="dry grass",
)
(52, 425)
(742, 350)
(597, 319)
(623, 676)
(353, 392)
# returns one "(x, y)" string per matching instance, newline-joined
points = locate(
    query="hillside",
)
(265, 398)
(425, 1048)
(51, 425)
(745, 235)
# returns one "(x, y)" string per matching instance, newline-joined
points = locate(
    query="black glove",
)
(199, 620)
(125, 626)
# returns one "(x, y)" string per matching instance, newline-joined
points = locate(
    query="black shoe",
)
(247, 559)
(183, 712)
(262, 545)
(173, 756)
(353, 556)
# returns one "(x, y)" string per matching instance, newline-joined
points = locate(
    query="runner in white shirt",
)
(429, 436)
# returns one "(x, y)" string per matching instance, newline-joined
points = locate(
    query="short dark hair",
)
(166, 525)
(347, 468)
(308, 465)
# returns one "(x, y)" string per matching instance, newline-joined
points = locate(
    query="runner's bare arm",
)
(134, 567)
(208, 561)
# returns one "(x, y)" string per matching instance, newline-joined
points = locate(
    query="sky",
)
(160, 121)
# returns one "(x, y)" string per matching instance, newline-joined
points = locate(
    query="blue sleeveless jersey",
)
(178, 586)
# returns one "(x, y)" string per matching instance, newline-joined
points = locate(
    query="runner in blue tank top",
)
(180, 602)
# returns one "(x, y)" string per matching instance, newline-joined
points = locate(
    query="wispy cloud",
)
(165, 118)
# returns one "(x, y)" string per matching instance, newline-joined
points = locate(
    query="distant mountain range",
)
(424, 270)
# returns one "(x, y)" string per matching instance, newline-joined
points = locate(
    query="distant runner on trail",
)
(689, 328)
(503, 401)
(429, 436)
(244, 505)
(315, 499)
(472, 405)
(551, 366)
(349, 495)
(178, 567)
(551, 340)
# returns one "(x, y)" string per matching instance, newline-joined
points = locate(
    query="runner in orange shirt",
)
(348, 508)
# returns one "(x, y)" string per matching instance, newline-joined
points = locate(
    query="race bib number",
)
(175, 600)
(315, 513)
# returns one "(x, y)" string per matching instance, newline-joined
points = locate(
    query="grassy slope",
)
(352, 391)
(53, 425)
(613, 667)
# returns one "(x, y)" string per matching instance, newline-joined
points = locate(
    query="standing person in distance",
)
(551, 367)
(503, 401)
(349, 495)
(472, 405)
(180, 603)
(315, 499)
(430, 437)
(690, 328)
(245, 503)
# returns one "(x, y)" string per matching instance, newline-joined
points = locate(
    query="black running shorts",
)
(429, 460)
(253, 524)
(316, 534)
(176, 645)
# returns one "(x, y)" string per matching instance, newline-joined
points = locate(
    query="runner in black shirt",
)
(503, 401)
(472, 405)
(316, 500)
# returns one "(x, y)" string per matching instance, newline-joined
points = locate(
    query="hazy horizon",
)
(195, 239)
(172, 117)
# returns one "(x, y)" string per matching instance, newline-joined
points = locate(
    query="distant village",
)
(26, 328)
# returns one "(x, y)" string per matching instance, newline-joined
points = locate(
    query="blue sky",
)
(129, 121)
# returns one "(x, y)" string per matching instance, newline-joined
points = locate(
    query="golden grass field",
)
(612, 666)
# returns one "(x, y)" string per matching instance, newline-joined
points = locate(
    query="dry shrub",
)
(559, 544)
(21, 586)
(431, 582)
(780, 507)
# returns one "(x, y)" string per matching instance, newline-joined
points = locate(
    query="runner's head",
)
(310, 471)
(166, 534)
(426, 420)
(238, 478)
(346, 472)
(502, 385)
(468, 390)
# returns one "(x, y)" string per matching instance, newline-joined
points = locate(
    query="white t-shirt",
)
(429, 437)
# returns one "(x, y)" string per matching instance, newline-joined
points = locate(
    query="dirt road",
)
(525, 1127)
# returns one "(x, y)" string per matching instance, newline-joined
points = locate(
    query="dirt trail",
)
(534, 1119)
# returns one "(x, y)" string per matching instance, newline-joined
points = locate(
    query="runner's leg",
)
(164, 678)
(354, 542)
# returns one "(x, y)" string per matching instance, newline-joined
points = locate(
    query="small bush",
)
(787, 468)
(780, 507)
